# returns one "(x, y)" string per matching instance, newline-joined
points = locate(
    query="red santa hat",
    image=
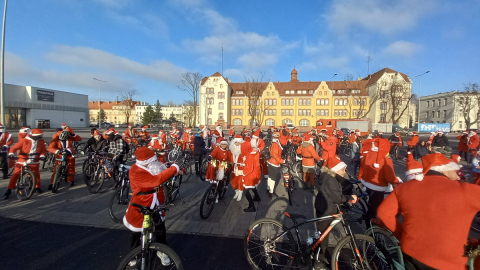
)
(336, 164)
(203, 127)
(162, 131)
(414, 169)
(256, 134)
(222, 141)
(36, 132)
(238, 138)
(96, 133)
(64, 125)
(216, 133)
(397, 134)
(438, 162)
(307, 136)
(382, 147)
(440, 132)
(294, 130)
(456, 158)
(111, 131)
(465, 132)
(232, 126)
(144, 127)
(414, 133)
(145, 156)
(24, 130)
(129, 125)
(154, 137)
(247, 139)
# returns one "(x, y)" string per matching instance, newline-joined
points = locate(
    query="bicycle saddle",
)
(295, 216)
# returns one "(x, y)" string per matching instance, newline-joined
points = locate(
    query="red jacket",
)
(231, 132)
(143, 180)
(413, 141)
(462, 143)
(284, 138)
(56, 144)
(377, 178)
(6, 139)
(329, 148)
(251, 170)
(309, 155)
(276, 155)
(131, 133)
(29, 146)
(297, 140)
(144, 135)
(437, 215)
(473, 142)
(222, 155)
(156, 145)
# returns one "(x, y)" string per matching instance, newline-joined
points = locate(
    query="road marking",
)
(16, 204)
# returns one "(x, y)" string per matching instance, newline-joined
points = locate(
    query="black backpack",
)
(266, 151)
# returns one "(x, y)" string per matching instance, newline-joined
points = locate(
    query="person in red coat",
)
(296, 139)
(64, 142)
(145, 175)
(473, 142)
(437, 214)
(352, 137)
(274, 169)
(413, 141)
(157, 147)
(251, 175)
(5, 142)
(259, 144)
(463, 145)
(219, 158)
(27, 147)
(131, 134)
(377, 174)
(284, 136)
(236, 178)
(231, 133)
(144, 135)
(329, 146)
(309, 156)
(187, 138)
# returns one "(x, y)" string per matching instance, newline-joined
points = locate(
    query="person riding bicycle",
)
(162, 136)
(187, 139)
(274, 169)
(96, 144)
(235, 147)
(144, 135)
(146, 175)
(413, 141)
(199, 151)
(379, 135)
(5, 142)
(376, 173)
(437, 214)
(23, 132)
(157, 146)
(174, 131)
(463, 145)
(330, 193)
(64, 143)
(473, 142)
(131, 134)
(117, 148)
(395, 141)
(440, 143)
(309, 156)
(231, 133)
(218, 164)
(31, 144)
(296, 139)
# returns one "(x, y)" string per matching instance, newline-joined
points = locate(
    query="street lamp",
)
(99, 104)
(2, 70)
(419, 88)
(333, 76)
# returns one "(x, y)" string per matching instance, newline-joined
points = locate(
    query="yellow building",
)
(300, 103)
(116, 112)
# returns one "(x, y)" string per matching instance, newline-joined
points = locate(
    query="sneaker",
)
(164, 258)
(72, 183)
(249, 209)
(50, 187)
(39, 190)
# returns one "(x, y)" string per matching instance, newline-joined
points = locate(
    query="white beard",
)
(236, 150)
(220, 174)
(254, 143)
(156, 167)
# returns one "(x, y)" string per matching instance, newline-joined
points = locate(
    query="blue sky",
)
(146, 44)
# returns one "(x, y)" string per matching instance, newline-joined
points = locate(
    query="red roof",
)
(216, 74)
(373, 78)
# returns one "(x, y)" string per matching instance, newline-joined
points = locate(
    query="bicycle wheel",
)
(134, 258)
(176, 183)
(290, 191)
(208, 202)
(80, 147)
(173, 155)
(356, 212)
(96, 180)
(133, 148)
(386, 240)
(187, 173)
(264, 253)
(225, 184)
(50, 162)
(26, 185)
(203, 170)
(298, 170)
(119, 203)
(57, 178)
(366, 255)
(88, 171)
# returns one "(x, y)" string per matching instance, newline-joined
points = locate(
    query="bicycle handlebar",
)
(146, 210)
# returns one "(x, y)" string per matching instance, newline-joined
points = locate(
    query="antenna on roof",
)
(368, 62)
(222, 60)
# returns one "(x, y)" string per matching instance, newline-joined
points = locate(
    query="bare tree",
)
(468, 104)
(191, 84)
(127, 103)
(355, 99)
(189, 113)
(394, 99)
(256, 107)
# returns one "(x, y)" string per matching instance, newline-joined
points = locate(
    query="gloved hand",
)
(10, 155)
(168, 164)
(42, 158)
(72, 134)
(209, 158)
(57, 152)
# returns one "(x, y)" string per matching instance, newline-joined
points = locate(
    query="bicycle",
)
(3, 160)
(174, 153)
(119, 202)
(78, 146)
(276, 247)
(358, 211)
(172, 186)
(288, 181)
(214, 191)
(27, 181)
(395, 150)
(61, 171)
(49, 161)
(97, 173)
(189, 162)
(146, 256)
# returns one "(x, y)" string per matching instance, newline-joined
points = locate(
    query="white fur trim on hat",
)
(339, 166)
(452, 166)
(414, 171)
(146, 162)
(240, 140)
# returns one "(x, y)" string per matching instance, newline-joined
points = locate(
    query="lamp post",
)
(2, 70)
(99, 104)
(333, 76)
(419, 88)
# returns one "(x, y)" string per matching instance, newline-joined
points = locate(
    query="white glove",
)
(58, 151)
(10, 154)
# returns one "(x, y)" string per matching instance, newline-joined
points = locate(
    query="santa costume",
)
(251, 175)
(237, 157)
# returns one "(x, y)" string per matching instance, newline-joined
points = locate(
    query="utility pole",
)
(2, 69)
(99, 104)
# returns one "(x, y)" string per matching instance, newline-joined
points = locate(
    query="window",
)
(438, 113)
(326, 112)
(287, 92)
(304, 123)
(426, 115)
(270, 122)
(283, 101)
(209, 91)
(320, 92)
(325, 92)
(285, 121)
(299, 91)
(220, 116)
(344, 112)
(239, 92)
(209, 121)
(268, 93)
(433, 114)
(383, 118)
(428, 104)
(274, 102)
(336, 112)
(221, 95)
(383, 106)
(336, 101)
(318, 112)
(354, 112)
(209, 111)
(444, 102)
(327, 101)
(310, 91)
(318, 101)
(460, 125)
(433, 103)
(220, 106)
(438, 102)
(237, 122)
(444, 113)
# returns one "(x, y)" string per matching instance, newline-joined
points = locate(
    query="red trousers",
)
(70, 169)
(264, 167)
(237, 182)
(16, 174)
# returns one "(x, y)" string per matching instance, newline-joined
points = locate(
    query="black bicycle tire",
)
(86, 165)
(101, 179)
(156, 247)
(246, 239)
(50, 162)
(34, 182)
(56, 179)
(113, 200)
(347, 239)
(205, 196)
(173, 196)
(203, 170)
(187, 174)
(289, 193)
(226, 182)
(377, 231)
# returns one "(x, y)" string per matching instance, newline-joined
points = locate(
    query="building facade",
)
(116, 112)
(44, 108)
(456, 108)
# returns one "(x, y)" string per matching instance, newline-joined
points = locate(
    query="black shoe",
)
(305, 186)
(50, 187)
(39, 190)
(250, 208)
(7, 194)
(72, 183)
(5, 176)
(273, 195)
(257, 199)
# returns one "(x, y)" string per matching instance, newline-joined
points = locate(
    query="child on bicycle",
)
(217, 167)
(330, 193)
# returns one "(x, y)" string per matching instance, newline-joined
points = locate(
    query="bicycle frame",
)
(400, 264)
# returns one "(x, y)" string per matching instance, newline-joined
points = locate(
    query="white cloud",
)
(160, 70)
(378, 15)
(149, 24)
(257, 60)
(402, 48)
(320, 47)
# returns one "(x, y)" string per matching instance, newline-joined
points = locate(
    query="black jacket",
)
(199, 146)
(331, 192)
(420, 151)
(440, 141)
(93, 145)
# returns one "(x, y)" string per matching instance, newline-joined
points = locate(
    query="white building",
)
(215, 97)
(44, 108)
(166, 110)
